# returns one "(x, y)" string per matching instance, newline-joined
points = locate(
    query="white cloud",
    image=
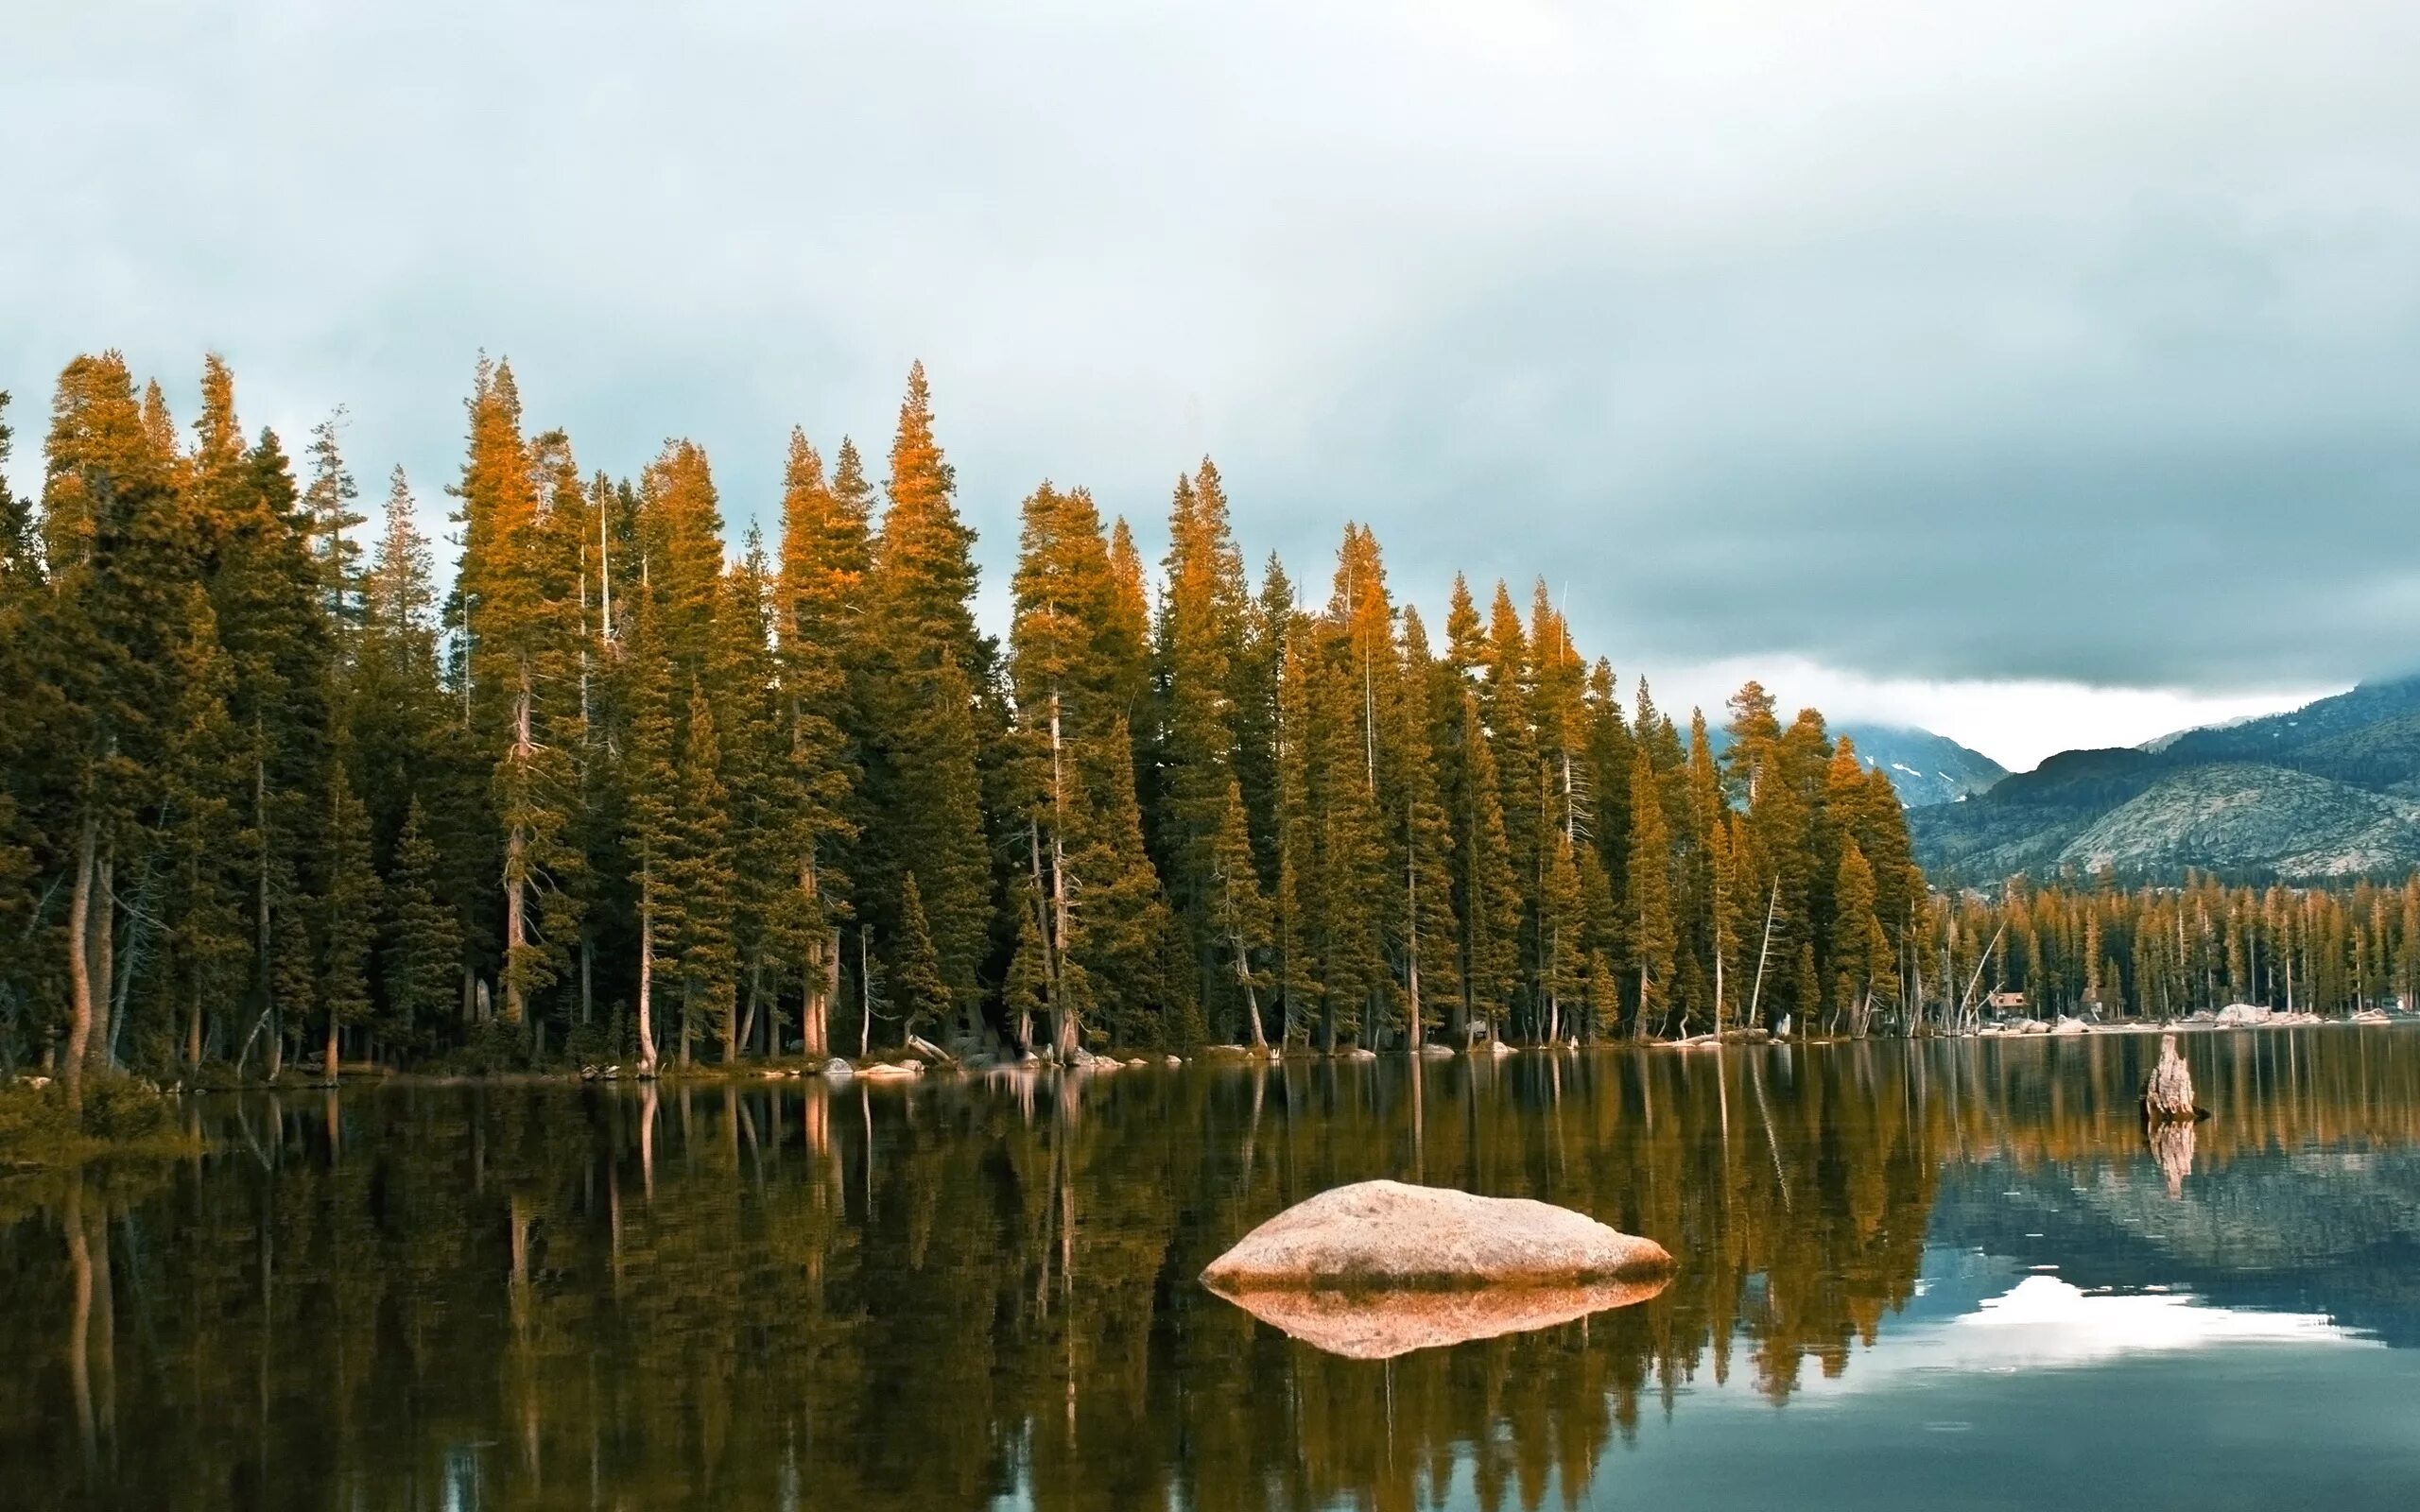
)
(2016, 723)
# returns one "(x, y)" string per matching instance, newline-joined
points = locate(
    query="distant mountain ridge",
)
(1925, 767)
(2330, 789)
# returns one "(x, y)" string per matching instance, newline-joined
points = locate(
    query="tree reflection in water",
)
(778, 1294)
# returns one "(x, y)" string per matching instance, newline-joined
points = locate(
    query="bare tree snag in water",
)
(2168, 1096)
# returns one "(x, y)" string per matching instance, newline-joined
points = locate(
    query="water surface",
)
(1911, 1276)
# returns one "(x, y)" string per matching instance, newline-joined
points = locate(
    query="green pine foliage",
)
(279, 790)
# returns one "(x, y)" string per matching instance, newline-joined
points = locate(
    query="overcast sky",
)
(2047, 373)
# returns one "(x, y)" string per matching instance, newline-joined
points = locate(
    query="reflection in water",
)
(781, 1295)
(1381, 1325)
(2172, 1150)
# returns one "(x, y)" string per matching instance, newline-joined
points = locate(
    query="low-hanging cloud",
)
(2053, 342)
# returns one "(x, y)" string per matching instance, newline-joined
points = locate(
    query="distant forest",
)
(275, 791)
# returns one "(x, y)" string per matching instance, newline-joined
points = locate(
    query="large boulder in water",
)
(1388, 1235)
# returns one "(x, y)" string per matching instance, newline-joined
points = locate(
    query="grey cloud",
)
(2068, 341)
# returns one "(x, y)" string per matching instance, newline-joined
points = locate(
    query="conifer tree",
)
(202, 773)
(923, 997)
(1239, 914)
(1299, 984)
(1504, 700)
(1487, 894)
(1122, 931)
(819, 617)
(348, 916)
(1260, 657)
(1025, 991)
(702, 884)
(921, 777)
(423, 942)
(654, 840)
(1426, 931)
(1652, 936)
(1861, 953)
(329, 508)
(1201, 644)
(1563, 959)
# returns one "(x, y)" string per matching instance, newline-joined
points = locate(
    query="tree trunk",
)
(79, 967)
(1251, 997)
(1063, 1018)
(646, 979)
(734, 1043)
(821, 985)
(516, 846)
(104, 966)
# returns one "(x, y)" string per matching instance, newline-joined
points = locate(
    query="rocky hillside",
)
(2251, 818)
(2326, 790)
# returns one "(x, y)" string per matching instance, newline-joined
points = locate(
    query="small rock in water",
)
(839, 1070)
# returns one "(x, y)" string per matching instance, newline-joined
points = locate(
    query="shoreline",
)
(881, 1072)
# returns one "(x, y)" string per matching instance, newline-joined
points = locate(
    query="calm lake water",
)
(1911, 1276)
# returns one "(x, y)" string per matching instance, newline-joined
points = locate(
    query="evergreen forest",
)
(627, 789)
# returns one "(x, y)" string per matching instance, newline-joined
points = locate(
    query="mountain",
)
(1925, 767)
(2328, 789)
(2245, 816)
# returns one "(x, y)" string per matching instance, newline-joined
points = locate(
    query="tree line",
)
(274, 790)
(2089, 945)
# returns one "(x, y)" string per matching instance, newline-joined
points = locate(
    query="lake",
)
(1910, 1276)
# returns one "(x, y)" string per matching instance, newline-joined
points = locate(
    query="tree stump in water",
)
(2168, 1097)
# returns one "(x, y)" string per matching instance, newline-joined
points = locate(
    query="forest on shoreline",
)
(624, 788)
(277, 792)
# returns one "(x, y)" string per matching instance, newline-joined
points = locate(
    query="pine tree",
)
(923, 997)
(654, 840)
(1025, 993)
(1504, 700)
(1426, 931)
(1652, 936)
(1239, 915)
(1299, 985)
(921, 775)
(702, 882)
(824, 548)
(423, 942)
(1201, 643)
(1562, 953)
(329, 508)
(1861, 953)
(1122, 930)
(348, 915)
(1487, 894)
(202, 776)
